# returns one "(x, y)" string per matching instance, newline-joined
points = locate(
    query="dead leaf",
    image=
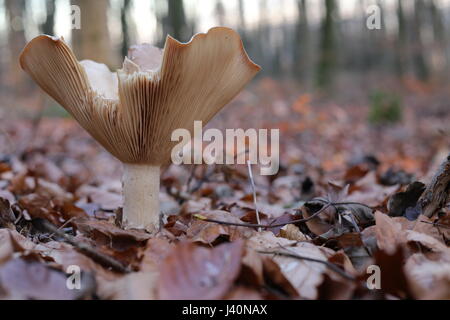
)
(106, 233)
(194, 272)
(22, 279)
(292, 232)
(208, 232)
(388, 232)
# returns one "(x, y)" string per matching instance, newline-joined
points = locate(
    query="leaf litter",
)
(324, 218)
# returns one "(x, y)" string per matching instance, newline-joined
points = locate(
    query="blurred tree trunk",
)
(16, 41)
(439, 38)
(242, 24)
(301, 45)
(381, 39)
(264, 51)
(220, 13)
(327, 59)
(176, 20)
(401, 58)
(92, 41)
(125, 27)
(48, 26)
(420, 64)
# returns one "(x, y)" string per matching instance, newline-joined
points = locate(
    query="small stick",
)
(436, 224)
(86, 249)
(250, 174)
(329, 265)
(265, 226)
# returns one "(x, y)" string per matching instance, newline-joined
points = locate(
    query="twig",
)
(250, 175)
(345, 203)
(329, 265)
(265, 226)
(86, 249)
(436, 224)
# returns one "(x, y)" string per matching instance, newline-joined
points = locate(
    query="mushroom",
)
(132, 113)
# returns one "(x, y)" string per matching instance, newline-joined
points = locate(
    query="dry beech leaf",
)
(284, 218)
(22, 279)
(424, 225)
(335, 289)
(276, 278)
(194, 272)
(429, 279)
(370, 192)
(6, 246)
(244, 293)
(106, 199)
(427, 241)
(106, 233)
(208, 232)
(393, 276)
(65, 255)
(388, 232)
(39, 206)
(304, 276)
(252, 268)
(10, 242)
(392, 232)
(267, 240)
(155, 251)
(342, 260)
(132, 286)
(292, 232)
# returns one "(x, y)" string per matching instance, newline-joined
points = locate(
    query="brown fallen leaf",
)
(194, 272)
(335, 289)
(393, 276)
(304, 275)
(106, 233)
(252, 268)
(132, 286)
(388, 232)
(11, 242)
(106, 199)
(292, 232)
(244, 293)
(368, 191)
(22, 279)
(154, 253)
(429, 279)
(208, 232)
(393, 232)
(276, 280)
(39, 206)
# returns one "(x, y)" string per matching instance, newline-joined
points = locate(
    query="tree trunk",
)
(301, 45)
(176, 20)
(125, 27)
(327, 59)
(401, 62)
(48, 26)
(92, 41)
(16, 42)
(420, 63)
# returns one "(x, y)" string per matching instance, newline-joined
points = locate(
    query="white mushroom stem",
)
(141, 197)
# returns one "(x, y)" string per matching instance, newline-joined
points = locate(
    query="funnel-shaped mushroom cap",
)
(134, 112)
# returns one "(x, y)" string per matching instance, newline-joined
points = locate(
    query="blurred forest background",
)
(321, 65)
(314, 42)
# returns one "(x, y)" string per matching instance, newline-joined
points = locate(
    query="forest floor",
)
(343, 199)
